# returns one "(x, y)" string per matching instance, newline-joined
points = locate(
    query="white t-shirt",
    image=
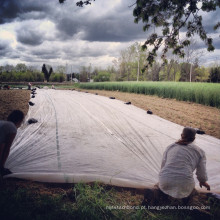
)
(6, 128)
(178, 163)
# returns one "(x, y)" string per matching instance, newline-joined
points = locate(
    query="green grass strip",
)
(202, 93)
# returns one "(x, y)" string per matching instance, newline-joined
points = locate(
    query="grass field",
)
(202, 93)
(28, 200)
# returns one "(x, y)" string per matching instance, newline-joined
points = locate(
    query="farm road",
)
(85, 137)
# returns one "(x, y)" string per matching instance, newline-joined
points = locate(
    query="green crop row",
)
(202, 93)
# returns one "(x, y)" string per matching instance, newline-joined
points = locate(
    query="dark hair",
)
(188, 136)
(16, 116)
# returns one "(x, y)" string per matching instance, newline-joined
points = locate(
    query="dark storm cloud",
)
(17, 9)
(30, 59)
(210, 20)
(86, 52)
(6, 51)
(8, 10)
(29, 37)
(14, 56)
(45, 53)
(42, 58)
(197, 43)
(116, 29)
(48, 56)
(33, 6)
(67, 27)
(5, 48)
(34, 15)
(40, 52)
(216, 42)
(83, 52)
(115, 26)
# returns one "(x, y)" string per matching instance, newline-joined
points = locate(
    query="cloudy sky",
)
(37, 31)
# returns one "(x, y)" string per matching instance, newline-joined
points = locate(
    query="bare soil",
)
(13, 100)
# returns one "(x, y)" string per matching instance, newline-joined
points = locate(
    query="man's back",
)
(176, 175)
(6, 127)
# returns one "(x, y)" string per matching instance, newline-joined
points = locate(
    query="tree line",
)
(130, 66)
(23, 73)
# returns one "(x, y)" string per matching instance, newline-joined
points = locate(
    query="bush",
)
(102, 77)
(57, 77)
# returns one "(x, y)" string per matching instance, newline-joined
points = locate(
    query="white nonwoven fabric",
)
(82, 137)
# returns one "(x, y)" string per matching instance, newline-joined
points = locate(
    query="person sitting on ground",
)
(29, 86)
(179, 161)
(6, 87)
(8, 131)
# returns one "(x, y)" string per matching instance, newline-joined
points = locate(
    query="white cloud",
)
(7, 34)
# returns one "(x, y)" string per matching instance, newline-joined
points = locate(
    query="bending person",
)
(179, 161)
(8, 131)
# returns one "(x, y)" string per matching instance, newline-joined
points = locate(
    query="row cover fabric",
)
(82, 137)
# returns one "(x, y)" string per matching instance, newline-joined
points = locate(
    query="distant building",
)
(75, 80)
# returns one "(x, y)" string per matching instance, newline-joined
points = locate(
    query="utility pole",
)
(71, 74)
(90, 69)
(190, 74)
(138, 60)
(138, 73)
(66, 72)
